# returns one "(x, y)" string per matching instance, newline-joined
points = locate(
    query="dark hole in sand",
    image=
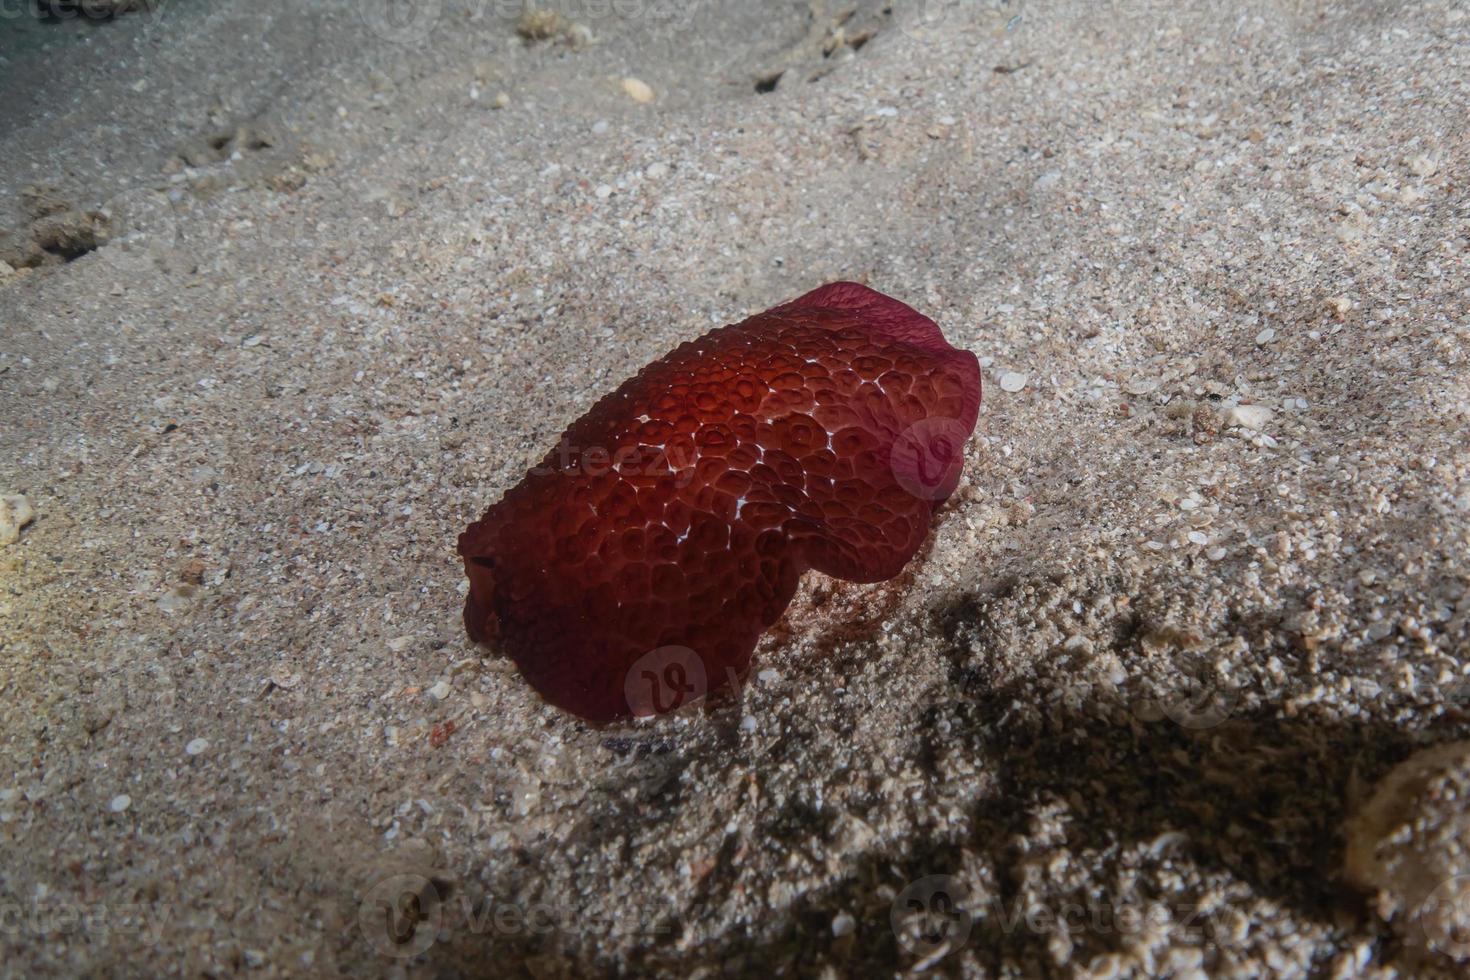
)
(768, 83)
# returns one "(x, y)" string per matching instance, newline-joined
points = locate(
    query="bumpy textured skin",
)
(681, 510)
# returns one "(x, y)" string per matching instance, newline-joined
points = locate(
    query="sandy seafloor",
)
(1203, 583)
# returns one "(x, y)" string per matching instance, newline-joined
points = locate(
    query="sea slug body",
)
(634, 569)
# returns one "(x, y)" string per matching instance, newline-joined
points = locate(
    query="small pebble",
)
(15, 513)
(440, 691)
(175, 599)
(1141, 386)
(197, 747)
(283, 677)
(1265, 337)
(501, 100)
(541, 25)
(1423, 166)
(604, 191)
(747, 724)
(638, 90)
(843, 925)
(1215, 553)
(656, 170)
(579, 36)
(1339, 305)
(1198, 537)
(120, 802)
(1252, 417)
(768, 676)
(1012, 381)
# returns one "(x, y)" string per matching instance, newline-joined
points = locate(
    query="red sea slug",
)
(633, 570)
